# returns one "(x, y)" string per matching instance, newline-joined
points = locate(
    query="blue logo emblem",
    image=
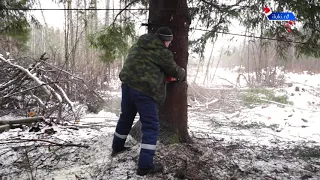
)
(281, 16)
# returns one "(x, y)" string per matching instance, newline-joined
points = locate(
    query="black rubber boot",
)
(156, 169)
(118, 151)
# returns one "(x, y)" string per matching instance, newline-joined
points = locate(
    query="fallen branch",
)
(41, 103)
(98, 127)
(211, 102)
(4, 128)
(207, 103)
(29, 89)
(29, 165)
(50, 65)
(274, 102)
(238, 79)
(64, 95)
(9, 83)
(198, 94)
(21, 120)
(59, 98)
(28, 73)
(234, 85)
(32, 88)
(46, 141)
(76, 77)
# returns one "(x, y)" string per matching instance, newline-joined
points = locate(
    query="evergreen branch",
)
(125, 8)
(223, 7)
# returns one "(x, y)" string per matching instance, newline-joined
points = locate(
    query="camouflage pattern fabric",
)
(149, 61)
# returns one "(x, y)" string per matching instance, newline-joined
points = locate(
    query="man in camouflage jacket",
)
(143, 87)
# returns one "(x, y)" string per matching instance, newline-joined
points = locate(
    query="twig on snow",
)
(207, 103)
(235, 85)
(274, 102)
(46, 141)
(29, 164)
(211, 102)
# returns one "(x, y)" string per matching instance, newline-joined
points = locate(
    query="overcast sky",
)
(56, 19)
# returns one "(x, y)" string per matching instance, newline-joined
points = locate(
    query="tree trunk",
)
(206, 76)
(215, 70)
(198, 68)
(107, 15)
(174, 113)
(86, 42)
(66, 40)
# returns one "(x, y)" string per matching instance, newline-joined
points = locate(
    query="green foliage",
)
(214, 17)
(309, 14)
(14, 23)
(306, 12)
(143, 4)
(253, 96)
(112, 41)
(136, 2)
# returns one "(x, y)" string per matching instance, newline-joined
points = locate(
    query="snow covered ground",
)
(232, 140)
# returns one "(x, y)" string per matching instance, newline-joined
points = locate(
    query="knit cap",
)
(165, 34)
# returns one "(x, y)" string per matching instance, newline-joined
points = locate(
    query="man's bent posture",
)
(144, 88)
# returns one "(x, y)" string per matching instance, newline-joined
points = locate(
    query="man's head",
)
(165, 35)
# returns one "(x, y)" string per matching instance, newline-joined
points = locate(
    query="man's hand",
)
(182, 75)
(185, 75)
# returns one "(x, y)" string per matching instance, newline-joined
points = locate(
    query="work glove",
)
(184, 75)
(181, 77)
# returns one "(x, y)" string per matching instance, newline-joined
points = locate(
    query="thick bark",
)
(174, 113)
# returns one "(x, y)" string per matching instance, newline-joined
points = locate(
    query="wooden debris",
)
(27, 120)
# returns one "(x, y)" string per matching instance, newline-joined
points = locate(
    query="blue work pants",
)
(132, 102)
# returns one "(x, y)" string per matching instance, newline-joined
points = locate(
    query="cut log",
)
(21, 120)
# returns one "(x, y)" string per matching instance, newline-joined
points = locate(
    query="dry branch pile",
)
(37, 88)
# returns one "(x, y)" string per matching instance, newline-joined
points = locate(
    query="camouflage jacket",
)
(147, 64)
